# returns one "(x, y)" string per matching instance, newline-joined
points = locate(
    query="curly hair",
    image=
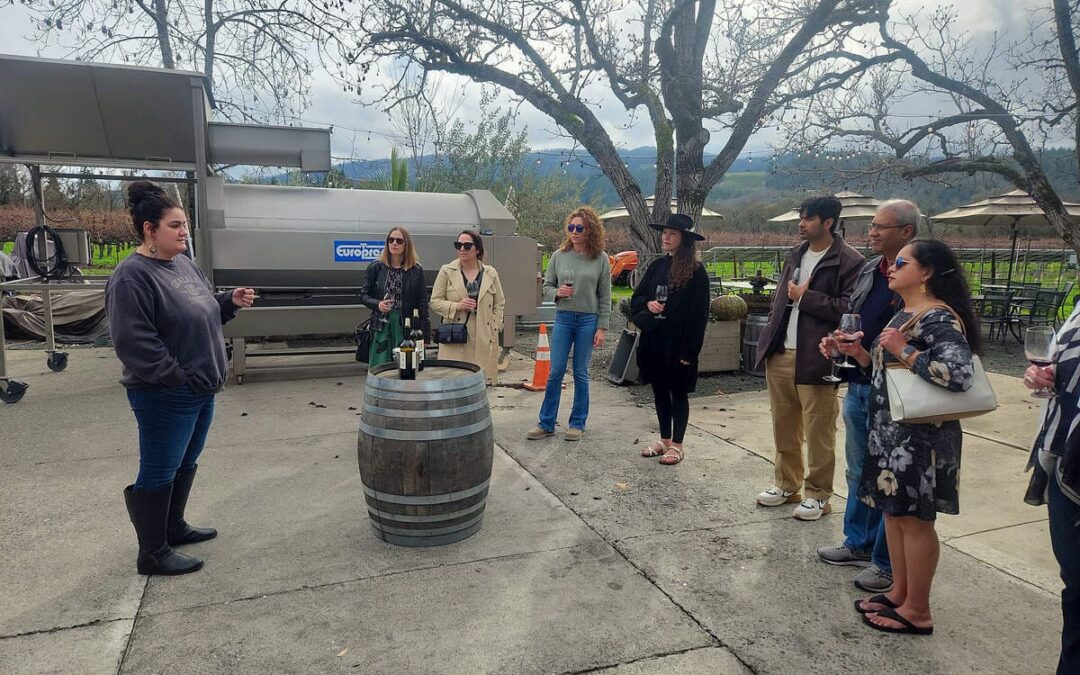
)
(684, 262)
(594, 231)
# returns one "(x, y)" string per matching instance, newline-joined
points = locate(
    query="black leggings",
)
(672, 408)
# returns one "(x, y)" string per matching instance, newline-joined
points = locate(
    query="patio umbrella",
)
(621, 216)
(1014, 209)
(857, 208)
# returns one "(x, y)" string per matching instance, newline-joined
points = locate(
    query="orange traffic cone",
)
(542, 365)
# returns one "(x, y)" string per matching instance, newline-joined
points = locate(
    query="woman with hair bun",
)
(165, 321)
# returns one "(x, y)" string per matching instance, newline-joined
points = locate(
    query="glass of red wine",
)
(835, 357)
(1039, 346)
(661, 297)
(568, 280)
(850, 324)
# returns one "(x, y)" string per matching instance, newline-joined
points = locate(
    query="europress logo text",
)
(357, 251)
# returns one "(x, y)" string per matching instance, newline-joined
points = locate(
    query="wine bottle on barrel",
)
(417, 335)
(407, 355)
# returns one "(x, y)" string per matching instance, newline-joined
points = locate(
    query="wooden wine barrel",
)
(425, 449)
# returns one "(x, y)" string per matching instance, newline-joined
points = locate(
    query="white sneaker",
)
(774, 496)
(812, 509)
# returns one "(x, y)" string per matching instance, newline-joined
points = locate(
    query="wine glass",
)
(795, 278)
(835, 357)
(661, 297)
(473, 289)
(1039, 346)
(568, 280)
(849, 325)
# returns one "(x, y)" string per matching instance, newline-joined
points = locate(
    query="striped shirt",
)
(1058, 442)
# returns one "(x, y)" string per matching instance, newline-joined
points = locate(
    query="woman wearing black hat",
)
(671, 307)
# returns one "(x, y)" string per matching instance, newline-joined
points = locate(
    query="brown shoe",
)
(574, 434)
(538, 433)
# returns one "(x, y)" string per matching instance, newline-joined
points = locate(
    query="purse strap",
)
(913, 321)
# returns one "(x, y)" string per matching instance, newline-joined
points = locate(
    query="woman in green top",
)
(578, 279)
(393, 287)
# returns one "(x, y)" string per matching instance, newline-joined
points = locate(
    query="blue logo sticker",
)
(358, 251)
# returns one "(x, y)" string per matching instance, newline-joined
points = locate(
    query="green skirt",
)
(388, 337)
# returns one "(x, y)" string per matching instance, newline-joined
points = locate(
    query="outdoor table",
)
(747, 286)
(1017, 303)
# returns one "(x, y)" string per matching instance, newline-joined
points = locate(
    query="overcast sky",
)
(331, 106)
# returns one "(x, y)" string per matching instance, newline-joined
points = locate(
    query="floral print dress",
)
(914, 469)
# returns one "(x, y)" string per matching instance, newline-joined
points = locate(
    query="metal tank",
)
(305, 250)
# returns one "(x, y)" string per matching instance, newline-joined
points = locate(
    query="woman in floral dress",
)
(912, 470)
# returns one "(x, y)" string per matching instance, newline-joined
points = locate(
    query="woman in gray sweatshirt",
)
(578, 279)
(165, 323)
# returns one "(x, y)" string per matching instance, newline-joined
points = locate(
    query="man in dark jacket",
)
(818, 277)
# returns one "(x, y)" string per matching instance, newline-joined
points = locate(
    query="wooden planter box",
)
(722, 348)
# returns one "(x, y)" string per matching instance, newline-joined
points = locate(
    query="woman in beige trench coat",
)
(483, 316)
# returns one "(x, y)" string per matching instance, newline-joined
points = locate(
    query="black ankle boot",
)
(149, 512)
(179, 531)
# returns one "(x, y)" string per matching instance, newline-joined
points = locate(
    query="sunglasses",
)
(575, 228)
(875, 226)
(900, 262)
(467, 245)
(395, 240)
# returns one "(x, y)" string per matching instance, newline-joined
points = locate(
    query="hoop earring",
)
(152, 249)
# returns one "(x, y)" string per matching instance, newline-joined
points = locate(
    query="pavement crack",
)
(651, 657)
(57, 629)
(134, 625)
(1007, 573)
(993, 529)
(341, 582)
(997, 441)
(717, 642)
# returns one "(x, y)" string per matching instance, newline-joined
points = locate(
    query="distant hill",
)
(760, 179)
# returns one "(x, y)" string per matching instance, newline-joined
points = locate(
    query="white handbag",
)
(913, 400)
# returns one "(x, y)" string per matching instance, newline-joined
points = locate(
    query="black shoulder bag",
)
(457, 333)
(363, 335)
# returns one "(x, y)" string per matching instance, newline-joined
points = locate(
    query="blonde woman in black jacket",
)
(394, 286)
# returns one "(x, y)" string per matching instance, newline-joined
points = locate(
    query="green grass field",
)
(104, 257)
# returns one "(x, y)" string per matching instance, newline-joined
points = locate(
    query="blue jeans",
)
(576, 330)
(1065, 539)
(173, 424)
(864, 528)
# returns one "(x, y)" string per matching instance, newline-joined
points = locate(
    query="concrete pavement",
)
(590, 558)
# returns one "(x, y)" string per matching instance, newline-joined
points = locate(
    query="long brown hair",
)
(409, 258)
(594, 231)
(684, 261)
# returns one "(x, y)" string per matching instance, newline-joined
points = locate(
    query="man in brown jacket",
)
(819, 276)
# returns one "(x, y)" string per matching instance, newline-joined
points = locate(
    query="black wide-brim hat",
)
(681, 222)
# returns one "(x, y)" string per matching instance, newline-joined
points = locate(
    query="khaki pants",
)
(801, 411)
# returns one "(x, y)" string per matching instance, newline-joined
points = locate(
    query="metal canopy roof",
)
(92, 114)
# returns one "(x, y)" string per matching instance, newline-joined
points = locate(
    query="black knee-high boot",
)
(179, 531)
(149, 512)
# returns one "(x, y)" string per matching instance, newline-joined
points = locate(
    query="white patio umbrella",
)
(620, 216)
(857, 208)
(1014, 209)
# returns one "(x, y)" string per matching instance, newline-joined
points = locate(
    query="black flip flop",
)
(909, 628)
(880, 599)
